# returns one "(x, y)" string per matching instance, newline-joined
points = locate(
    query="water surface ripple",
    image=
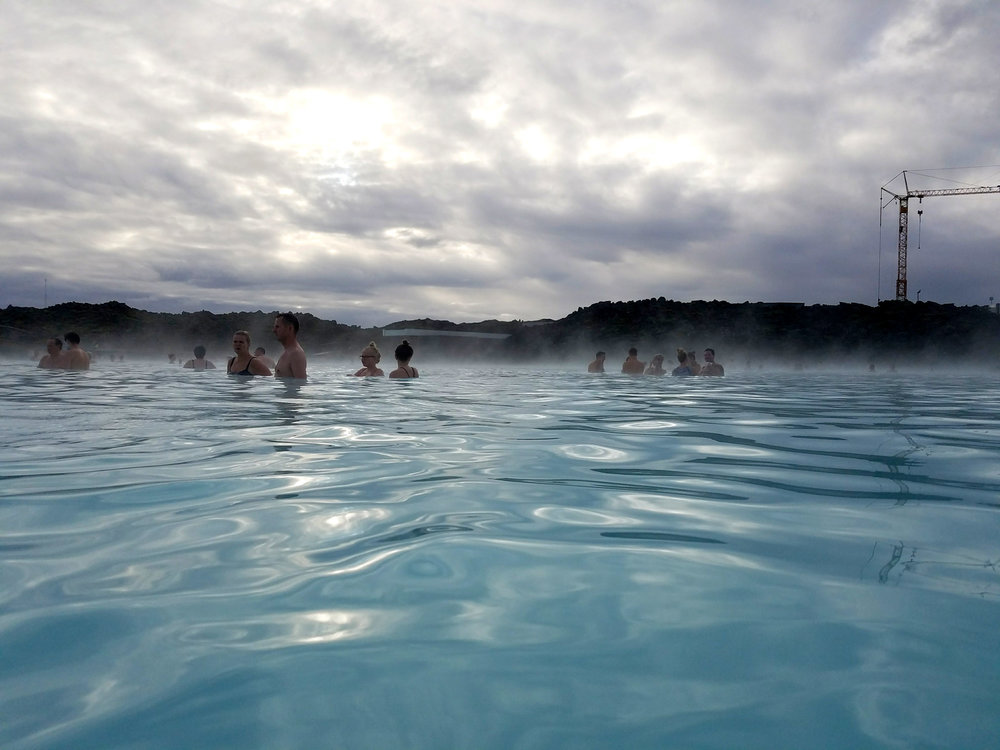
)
(516, 558)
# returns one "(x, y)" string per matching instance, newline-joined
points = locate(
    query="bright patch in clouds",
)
(471, 160)
(334, 125)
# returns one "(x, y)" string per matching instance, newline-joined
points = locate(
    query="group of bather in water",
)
(687, 364)
(74, 357)
(292, 362)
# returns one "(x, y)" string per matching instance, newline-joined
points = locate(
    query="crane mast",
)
(904, 216)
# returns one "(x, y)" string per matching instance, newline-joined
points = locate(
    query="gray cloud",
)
(489, 159)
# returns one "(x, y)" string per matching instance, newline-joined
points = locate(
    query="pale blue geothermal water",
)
(498, 558)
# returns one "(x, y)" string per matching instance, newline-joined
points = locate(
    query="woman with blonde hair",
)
(656, 366)
(370, 357)
(244, 363)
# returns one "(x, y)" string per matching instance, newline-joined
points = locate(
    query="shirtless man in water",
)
(632, 364)
(54, 359)
(75, 358)
(292, 362)
(598, 364)
(261, 354)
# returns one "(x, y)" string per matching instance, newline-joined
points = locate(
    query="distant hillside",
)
(791, 333)
(892, 332)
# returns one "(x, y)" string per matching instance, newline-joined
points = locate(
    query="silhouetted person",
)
(261, 354)
(199, 362)
(711, 367)
(632, 365)
(693, 363)
(656, 366)
(76, 357)
(598, 364)
(54, 360)
(682, 368)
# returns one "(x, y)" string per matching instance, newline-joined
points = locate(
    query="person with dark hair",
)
(598, 364)
(292, 362)
(261, 354)
(682, 368)
(693, 363)
(199, 362)
(404, 353)
(632, 364)
(75, 358)
(54, 360)
(370, 357)
(711, 367)
(244, 363)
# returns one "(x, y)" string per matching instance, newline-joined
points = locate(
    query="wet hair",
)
(710, 349)
(601, 354)
(260, 349)
(290, 319)
(246, 335)
(72, 337)
(658, 357)
(682, 356)
(633, 352)
(373, 351)
(404, 352)
(199, 351)
(57, 341)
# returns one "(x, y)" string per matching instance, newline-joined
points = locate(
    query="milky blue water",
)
(507, 558)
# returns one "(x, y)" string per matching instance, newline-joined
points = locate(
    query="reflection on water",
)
(498, 559)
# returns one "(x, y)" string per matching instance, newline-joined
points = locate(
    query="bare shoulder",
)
(291, 363)
(77, 359)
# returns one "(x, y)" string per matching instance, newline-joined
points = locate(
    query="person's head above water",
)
(404, 352)
(199, 352)
(289, 319)
(286, 329)
(371, 351)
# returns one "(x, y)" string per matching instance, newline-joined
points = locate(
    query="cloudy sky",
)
(468, 160)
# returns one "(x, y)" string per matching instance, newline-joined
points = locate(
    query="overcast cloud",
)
(374, 161)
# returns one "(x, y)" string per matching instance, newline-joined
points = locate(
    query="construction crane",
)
(904, 214)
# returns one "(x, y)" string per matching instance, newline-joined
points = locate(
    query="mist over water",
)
(498, 557)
